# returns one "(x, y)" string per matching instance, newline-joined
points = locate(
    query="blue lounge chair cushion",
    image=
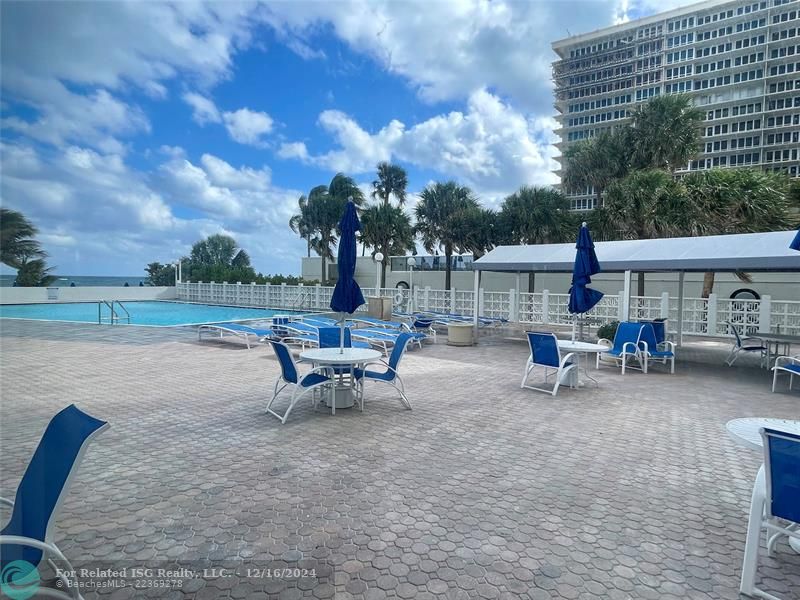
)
(795, 368)
(313, 379)
(660, 353)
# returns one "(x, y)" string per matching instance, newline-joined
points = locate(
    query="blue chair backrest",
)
(782, 465)
(399, 348)
(422, 323)
(544, 348)
(735, 333)
(626, 332)
(46, 480)
(660, 327)
(288, 368)
(276, 322)
(647, 334)
(330, 337)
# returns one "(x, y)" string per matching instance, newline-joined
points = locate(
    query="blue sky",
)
(131, 130)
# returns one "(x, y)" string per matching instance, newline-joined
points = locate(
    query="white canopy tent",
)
(749, 252)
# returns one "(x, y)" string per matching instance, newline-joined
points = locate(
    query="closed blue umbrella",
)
(347, 296)
(582, 298)
(795, 245)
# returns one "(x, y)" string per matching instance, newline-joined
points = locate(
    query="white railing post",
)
(427, 297)
(452, 300)
(512, 305)
(621, 308)
(764, 314)
(316, 295)
(266, 297)
(711, 315)
(665, 305)
(481, 299)
(283, 296)
(252, 293)
(545, 307)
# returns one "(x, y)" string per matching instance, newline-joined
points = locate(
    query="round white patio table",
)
(582, 349)
(747, 432)
(336, 357)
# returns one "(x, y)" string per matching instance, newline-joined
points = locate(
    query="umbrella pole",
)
(341, 335)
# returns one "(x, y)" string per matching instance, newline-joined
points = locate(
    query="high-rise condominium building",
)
(740, 62)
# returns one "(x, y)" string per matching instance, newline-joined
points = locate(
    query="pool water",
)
(142, 313)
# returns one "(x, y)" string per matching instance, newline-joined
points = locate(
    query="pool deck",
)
(484, 490)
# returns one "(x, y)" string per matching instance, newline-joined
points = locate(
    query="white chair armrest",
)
(633, 344)
(565, 359)
(605, 342)
(669, 345)
(786, 360)
(752, 339)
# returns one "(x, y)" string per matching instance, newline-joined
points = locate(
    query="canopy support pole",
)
(680, 307)
(475, 304)
(626, 296)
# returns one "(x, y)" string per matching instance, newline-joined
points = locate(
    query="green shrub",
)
(607, 331)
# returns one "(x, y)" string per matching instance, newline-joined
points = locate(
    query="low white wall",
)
(28, 295)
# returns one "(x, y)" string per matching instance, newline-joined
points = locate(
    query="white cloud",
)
(490, 145)
(97, 214)
(247, 126)
(70, 62)
(203, 109)
(498, 45)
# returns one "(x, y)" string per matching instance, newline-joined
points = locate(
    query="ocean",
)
(83, 280)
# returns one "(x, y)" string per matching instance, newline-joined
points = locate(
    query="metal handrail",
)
(299, 300)
(113, 317)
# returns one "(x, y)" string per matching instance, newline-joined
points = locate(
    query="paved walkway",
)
(631, 490)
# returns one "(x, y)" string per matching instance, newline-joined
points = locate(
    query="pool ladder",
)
(114, 316)
(299, 300)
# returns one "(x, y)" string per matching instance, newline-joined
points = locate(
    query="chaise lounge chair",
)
(27, 538)
(245, 332)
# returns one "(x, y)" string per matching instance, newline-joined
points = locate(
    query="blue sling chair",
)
(318, 378)
(390, 375)
(650, 349)
(775, 505)
(625, 345)
(546, 354)
(27, 538)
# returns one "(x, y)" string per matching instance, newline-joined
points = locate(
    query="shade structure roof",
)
(736, 252)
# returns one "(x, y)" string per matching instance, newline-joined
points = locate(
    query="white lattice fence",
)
(785, 317)
(496, 305)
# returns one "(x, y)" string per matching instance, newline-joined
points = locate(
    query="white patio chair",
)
(775, 505)
(787, 364)
(546, 354)
(748, 344)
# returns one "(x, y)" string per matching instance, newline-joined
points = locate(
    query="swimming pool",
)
(142, 313)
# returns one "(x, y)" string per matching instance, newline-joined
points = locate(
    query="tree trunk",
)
(308, 248)
(322, 281)
(708, 284)
(531, 282)
(384, 249)
(448, 254)
(640, 285)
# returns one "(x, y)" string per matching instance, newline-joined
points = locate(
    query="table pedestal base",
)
(343, 395)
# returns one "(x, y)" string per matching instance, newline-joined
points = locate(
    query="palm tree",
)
(392, 181)
(388, 228)
(17, 243)
(666, 132)
(740, 201)
(301, 223)
(536, 215)
(646, 204)
(19, 250)
(439, 214)
(596, 162)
